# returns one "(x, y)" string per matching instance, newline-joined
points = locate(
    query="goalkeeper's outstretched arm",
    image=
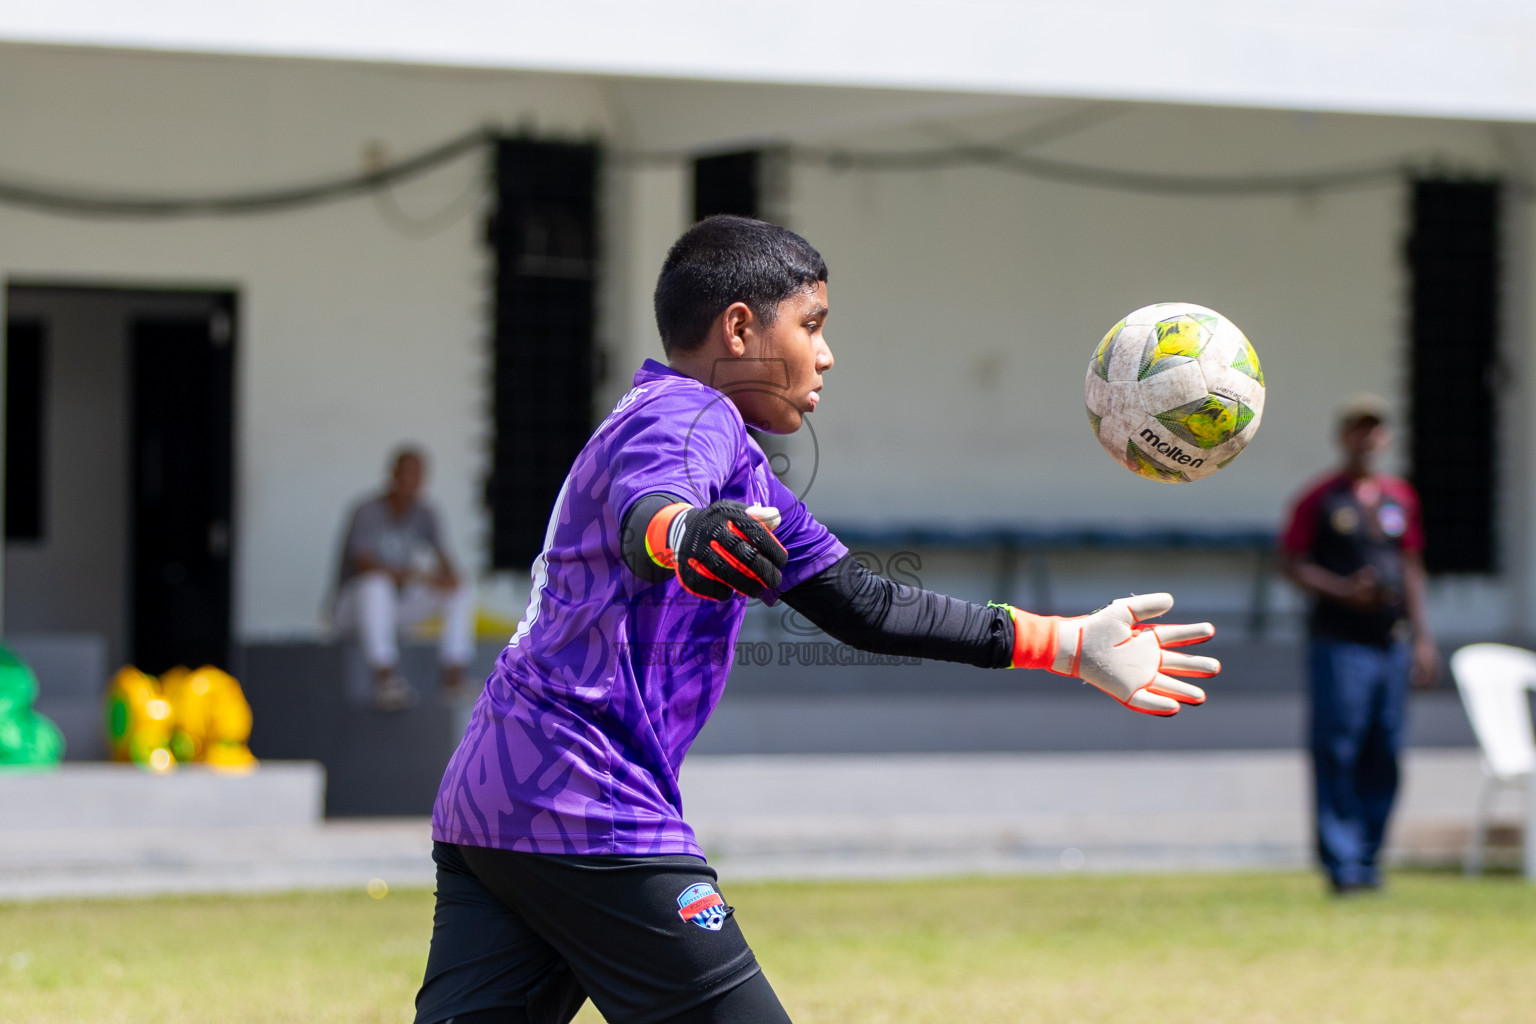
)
(727, 549)
(1113, 648)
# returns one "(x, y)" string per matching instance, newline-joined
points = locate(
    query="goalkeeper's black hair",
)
(725, 259)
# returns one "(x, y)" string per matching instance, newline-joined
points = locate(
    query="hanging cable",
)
(413, 226)
(1069, 173)
(1009, 158)
(82, 203)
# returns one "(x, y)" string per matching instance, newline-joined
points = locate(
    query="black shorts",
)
(527, 937)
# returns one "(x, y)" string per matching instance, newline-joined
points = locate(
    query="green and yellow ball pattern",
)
(1174, 391)
(1207, 422)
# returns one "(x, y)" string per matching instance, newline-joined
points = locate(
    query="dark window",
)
(544, 241)
(181, 388)
(727, 183)
(1453, 257)
(25, 381)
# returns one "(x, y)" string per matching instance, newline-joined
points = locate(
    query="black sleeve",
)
(872, 613)
(632, 536)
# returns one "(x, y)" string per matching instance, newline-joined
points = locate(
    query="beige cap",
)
(1360, 407)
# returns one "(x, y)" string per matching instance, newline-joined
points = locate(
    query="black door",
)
(25, 402)
(181, 414)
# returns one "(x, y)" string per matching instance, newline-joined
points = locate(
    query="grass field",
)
(1258, 949)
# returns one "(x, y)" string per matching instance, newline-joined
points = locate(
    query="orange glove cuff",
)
(656, 531)
(1034, 639)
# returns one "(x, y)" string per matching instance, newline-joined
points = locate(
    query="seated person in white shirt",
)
(396, 571)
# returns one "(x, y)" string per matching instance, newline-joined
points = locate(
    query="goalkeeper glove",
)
(1115, 650)
(718, 551)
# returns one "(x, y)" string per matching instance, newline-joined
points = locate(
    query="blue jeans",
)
(1359, 703)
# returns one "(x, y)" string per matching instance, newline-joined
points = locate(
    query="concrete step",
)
(859, 815)
(104, 796)
(846, 816)
(54, 863)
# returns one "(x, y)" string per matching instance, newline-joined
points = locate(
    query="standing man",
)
(396, 571)
(1354, 545)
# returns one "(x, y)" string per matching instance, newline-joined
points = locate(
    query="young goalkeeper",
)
(565, 869)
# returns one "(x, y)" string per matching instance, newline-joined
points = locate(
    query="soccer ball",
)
(1175, 392)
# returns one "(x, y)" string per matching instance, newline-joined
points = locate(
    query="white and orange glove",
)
(1116, 650)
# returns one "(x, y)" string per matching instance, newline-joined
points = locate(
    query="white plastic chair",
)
(1494, 680)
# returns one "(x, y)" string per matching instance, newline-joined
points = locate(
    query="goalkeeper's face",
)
(794, 342)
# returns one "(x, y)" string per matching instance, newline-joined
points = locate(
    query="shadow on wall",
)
(377, 764)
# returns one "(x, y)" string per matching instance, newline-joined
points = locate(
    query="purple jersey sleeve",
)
(671, 445)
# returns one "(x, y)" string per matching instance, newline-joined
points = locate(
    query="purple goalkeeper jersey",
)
(575, 745)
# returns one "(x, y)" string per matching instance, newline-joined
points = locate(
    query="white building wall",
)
(1519, 388)
(354, 335)
(965, 302)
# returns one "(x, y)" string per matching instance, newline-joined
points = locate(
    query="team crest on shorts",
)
(702, 905)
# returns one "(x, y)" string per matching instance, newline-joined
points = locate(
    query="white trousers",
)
(370, 606)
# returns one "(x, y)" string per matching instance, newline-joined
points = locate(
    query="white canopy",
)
(1470, 59)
